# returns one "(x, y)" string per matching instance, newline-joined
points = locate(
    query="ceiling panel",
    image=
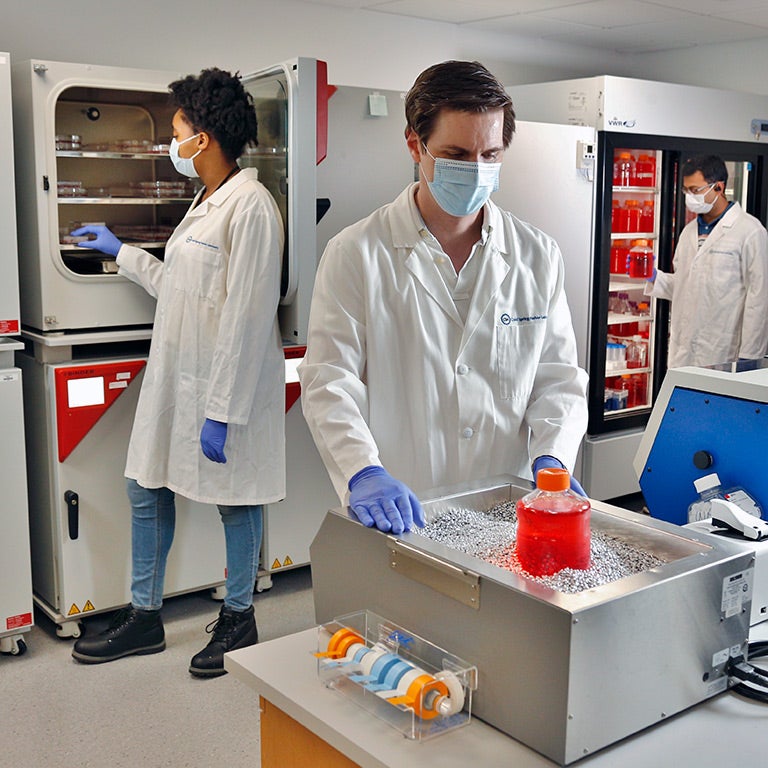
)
(612, 25)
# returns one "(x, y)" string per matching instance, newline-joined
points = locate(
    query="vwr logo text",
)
(616, 122)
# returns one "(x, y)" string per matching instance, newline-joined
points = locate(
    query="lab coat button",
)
(462, 369)
(467, 432)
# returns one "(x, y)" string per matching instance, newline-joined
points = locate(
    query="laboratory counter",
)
(304, 723)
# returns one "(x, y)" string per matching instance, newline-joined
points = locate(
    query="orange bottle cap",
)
(553, 479)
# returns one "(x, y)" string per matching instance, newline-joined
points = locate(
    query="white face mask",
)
(462, 188)
(184, 165)
(697, 203)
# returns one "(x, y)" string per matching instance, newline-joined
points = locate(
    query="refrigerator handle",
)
(73, 513)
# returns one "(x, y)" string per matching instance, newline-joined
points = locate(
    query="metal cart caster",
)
(263, 581)
(69, 629)
(13, 646)
(219, 593)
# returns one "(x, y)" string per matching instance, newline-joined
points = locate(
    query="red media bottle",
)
(553, 526)
(645, 171)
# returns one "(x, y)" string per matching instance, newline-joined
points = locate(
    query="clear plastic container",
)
(624, 170)
(633, 215)
(640, 383)
(637, 353)
(627, 385)
(553, 530)
(645, 171)
(615, 356)
(641, 259)
(708, 488)
(647, 218)
(416, 687)
(619, 257)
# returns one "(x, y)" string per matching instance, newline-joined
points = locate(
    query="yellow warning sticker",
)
(74, 610)
(276, 564)
(287, 561)
(89, 606)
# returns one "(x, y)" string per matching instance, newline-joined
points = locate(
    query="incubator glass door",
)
(270, 156)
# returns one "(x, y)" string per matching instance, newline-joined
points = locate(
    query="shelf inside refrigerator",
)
(626, 283)
(614, 318)
(636, 190)
(633, 236)
(611, 372)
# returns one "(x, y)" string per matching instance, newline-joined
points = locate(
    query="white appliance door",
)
(15, 573)
(94, 405)
(291, 109)
(541, 183)
(9, 285)
(89, 146)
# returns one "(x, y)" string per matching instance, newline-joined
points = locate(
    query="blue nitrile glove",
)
(105, 241)
(376, 498)
(212, 439)
(543, 462)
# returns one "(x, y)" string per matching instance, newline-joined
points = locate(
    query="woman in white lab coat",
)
(440, 345)
(210, 418)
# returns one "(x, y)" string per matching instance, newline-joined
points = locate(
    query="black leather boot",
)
(233, 629)
(131, 633)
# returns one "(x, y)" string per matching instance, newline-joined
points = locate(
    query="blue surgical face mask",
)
(184, 165)
(462, 188)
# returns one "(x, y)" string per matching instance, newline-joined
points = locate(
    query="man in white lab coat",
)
(440, 343)
(719, 287)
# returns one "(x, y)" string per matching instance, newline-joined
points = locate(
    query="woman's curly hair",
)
(216, 102)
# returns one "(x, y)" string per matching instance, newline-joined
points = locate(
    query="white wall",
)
(730, 66)
(362, 48)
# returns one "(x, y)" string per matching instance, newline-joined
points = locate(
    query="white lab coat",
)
(719, 294)
(393, 376)
(216, 351)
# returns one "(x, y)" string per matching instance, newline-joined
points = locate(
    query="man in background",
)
(719, 286)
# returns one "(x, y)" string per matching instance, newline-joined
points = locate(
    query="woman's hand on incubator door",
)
(212, 439)
(105, 241)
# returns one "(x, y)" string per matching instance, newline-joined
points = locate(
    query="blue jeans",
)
(153, 521)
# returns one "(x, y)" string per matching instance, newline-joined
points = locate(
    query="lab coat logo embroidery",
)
(192, 240)
(507, 319)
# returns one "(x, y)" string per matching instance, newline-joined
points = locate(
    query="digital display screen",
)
(83, 392)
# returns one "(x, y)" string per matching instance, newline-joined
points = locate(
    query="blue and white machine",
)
(705, 421)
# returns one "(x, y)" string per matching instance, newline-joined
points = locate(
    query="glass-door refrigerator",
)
(643, 132)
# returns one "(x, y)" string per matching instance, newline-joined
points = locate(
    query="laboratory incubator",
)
(92, 147)
(16, 617)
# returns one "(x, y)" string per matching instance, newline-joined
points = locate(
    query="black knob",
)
(703, 460)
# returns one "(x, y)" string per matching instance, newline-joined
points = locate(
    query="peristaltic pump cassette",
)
(415, 686)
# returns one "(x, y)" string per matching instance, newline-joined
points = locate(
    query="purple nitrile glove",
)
(377, 498)
(212, 439)
(105, 241)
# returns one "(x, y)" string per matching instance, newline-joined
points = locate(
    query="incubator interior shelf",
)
(112, 168)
